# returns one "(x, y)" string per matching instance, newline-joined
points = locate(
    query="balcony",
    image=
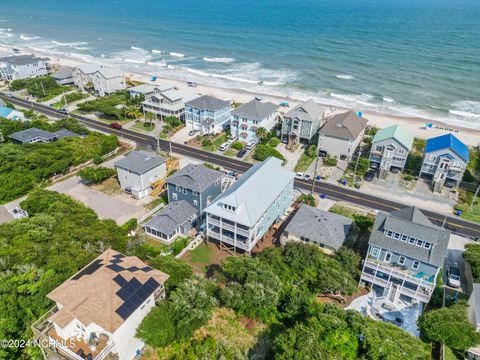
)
(228, 227)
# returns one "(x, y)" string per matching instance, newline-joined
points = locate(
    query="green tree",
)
(95, 175)
(263, 152)
(262, 133)
(178, 270)
(312, 151)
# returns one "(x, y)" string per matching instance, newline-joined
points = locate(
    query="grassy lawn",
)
(230, 152)
(69, 98)
(118, 106)
(143, 127)
(304, 162)
(213, 144)
(202, 254)
(464, 201)
(44, 88)
(154, 203)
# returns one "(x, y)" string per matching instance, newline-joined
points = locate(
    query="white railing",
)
(228, 227)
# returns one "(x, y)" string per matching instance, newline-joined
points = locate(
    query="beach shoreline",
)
(416, 125)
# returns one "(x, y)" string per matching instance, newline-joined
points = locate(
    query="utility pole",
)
(356, 163)
(314, 174)
(474, 197)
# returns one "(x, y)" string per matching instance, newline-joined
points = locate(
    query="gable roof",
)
(65, 72)
(255, 110)
(476, 302)
(106, 291)
(411, 221)
(20, 60)
(396, 132)
(319, 226)
(207, 102)
(448, 141)
(195, 177)
(30, 134)
(109, 73)
(143, 88)
(347, 125)
(253, 192)
(172, 216)
(63, 133)
(308, 110)
(88, 68)
(140, 161)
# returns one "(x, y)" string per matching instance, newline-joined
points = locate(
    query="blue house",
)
(207, 114)
(445, 160)
(196, 184)
(241, 216)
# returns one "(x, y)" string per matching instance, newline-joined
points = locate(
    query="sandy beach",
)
(415, 125)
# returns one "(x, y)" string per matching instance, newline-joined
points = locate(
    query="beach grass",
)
(304, 162)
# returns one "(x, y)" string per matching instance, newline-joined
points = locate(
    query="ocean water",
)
(406, 57)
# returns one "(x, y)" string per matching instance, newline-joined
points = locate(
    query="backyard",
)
(44, 88)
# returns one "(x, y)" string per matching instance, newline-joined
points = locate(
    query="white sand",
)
(415, 125)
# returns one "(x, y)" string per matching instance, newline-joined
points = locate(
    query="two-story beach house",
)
(22, 67)
(301, 123)
(196, 184)
(63, 76)
(444, 161)
(83, 75)
(99, 309)
(405, 254)
(390, 148)
(145, 90)
(107, 81)
(207, 114)
(341, 135)
(242, 215)
(169, 102)
(138, 170)
(174, 220)
(248, 117)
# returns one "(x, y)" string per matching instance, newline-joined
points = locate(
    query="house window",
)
(401, 260)
(427, 245)
(419, 243)
(432, 157)
(209, 199)
(404, 237)
(415, 265)
(401, 151)
(184, 191)
(412, 240)
(195, 202)
(179, 188)
(195, 193)
(396, 236)
(388, 257)
(389, 233)
(174, 196)
(374, 252)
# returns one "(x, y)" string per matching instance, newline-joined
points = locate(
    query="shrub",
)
(206, 143)
(408, 178)
(237, 145)
(311, 151)
(95, 175)
(307, 199)
(274, 142)
(330, 161)
(263, 152)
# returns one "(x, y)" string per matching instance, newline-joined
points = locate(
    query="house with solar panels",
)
(239, 218)
(390, 148)
(445, 160)
(138, 170)
(207, 114)
(99, 309)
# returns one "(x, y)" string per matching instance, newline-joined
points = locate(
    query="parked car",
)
(394, 170)
(258, 98)
(241, 153)
(306, 177)
(454, 277)
(233, 138)
(369, 176)
(299, 176)
(192, 83)
(115, 125)
(249, 145)
(224, 146)
(63, 111)
(192, 132)
(233, 174)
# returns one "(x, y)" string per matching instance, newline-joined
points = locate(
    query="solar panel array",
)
(90, 269)
(133, 293)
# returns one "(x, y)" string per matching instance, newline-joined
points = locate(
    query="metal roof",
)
(253, 193)
(396, 132)
(172, 216)
(255, 110)
(88, 68)
(140, 161)
(347, 125)
(143, 89)
(207, 102)
(319, 226)
(448, 141)
(195, 177)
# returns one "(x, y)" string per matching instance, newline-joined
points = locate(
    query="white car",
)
(224, 146)
(233, 138)
(249, 145)
(299, 176)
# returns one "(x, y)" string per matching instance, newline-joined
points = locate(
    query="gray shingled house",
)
(207, 114)
(196, 184)
(301, 123)
(314, 226)
(175, 219)
(405, 254)
(32, 135)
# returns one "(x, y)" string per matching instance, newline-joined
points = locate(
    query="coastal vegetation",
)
(118, 106)
(262, 152)
(44, 88)
(171, 125)
(306, 158)
(69, 98)
(95, 175)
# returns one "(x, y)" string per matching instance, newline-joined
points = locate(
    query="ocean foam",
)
(157, 63)
(174, 54)
(466, 109)
(362, 99)
(224, 60)
(388, 99)
(28, 38)
(345, 77)
(160, 52)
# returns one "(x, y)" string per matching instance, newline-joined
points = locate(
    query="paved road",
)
(330, 190)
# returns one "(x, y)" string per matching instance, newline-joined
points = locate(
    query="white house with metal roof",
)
(138, 170)
(107, 81)
(242, 215)
(82, 75)
(248, 117)
(22, 67)
(207, 114)
(145, 90)
(99, 309)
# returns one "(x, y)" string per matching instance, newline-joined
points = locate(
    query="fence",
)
(70, 171)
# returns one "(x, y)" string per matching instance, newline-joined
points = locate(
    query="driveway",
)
(291, 156)
(182, 136)
(456, 248)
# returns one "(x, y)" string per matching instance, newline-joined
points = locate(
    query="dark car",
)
(369, 176)
(394, 170)
(115, 125)
(241, 153)
(63, 111)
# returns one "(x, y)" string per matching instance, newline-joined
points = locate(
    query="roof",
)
(308, 110)
(207, 102)
(195, 177)
(5, 111)
(109, 73)
(140, 161)
(411, 221)
(448, 141)
(106, 291)
(165, 87)
(65, 72)
(20, 60)
(143, 88)
(172, 216)
(319, 226)
(30, 134)
(88, 68)
(63, 133)
(255, 110)
(347, 125)
(253, 192)
(396, 132)
(174, 95)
